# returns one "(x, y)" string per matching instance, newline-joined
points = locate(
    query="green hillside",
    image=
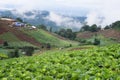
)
(13, 40)
(46, 37)
(100, 63)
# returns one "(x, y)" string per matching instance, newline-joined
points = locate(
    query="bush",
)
(14, 53)
(5, 44)
(28, 50)
(48, 46)
(96, 41)
(3, 56)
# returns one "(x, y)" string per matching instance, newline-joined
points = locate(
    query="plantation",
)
(46, 37)
(100, 63)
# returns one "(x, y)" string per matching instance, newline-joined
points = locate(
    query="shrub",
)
(3, 56)
(48, 46)
(14, 53)
(96, 41)
(28, 50)
(5, 44)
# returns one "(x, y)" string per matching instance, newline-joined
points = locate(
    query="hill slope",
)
(109, 33)
(11, 34)
(24, 36)
(47, 37)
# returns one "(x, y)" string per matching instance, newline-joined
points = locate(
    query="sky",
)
(95, 10)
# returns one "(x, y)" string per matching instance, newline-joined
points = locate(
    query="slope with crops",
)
(47, 37)
(109, 33)
(14, 36)
(25, 36)
(100, 63)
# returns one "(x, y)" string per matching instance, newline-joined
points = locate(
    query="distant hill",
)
(108, 33)
(27, 37)
(50, 19)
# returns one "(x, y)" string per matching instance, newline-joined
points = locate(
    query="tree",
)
(68, 33)
(14, 53)
(62, 32)
(107, 27)
(48, 46)
(19, 19)
(28, 50)
(96, 41)
(42, 27)
(85, 28)
(50, 29)
(5, 43)
(94, 28)
(116, 24)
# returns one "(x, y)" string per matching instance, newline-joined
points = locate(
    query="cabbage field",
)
(99, 63)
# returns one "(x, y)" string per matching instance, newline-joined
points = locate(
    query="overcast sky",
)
(110, 9)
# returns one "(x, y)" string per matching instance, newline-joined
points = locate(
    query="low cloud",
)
(95, 18)
(64, 21)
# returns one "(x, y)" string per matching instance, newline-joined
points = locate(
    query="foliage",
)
(5, 44)
(3, 56)
(85, 28)
(100, 63)
(14, 54)
(96, 41)
(42, 27)
(19, 19)
(93, 28)
(28, 50)
(115, 25)
(48, 46)
(68, 33)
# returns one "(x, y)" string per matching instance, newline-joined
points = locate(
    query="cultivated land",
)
(25, 36)
(65, 61)
(98, 63)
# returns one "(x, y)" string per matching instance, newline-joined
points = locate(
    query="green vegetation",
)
(93, 28)
(3, 56)
(13, 41)
(115, 25)
(100, 63)
(100, 39)
(67, 33)
(8, 36)
(46, 37)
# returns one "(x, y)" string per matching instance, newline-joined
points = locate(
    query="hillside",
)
(14, 35)
(25, 36)
(47, 37)
(109, 33)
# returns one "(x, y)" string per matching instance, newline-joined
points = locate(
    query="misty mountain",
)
(50, 19)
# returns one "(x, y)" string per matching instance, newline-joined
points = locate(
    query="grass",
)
(103, 40)
(13, 40)
(45, 37)
(9, 37)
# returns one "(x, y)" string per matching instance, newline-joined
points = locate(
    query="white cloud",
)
(109, 9)
(63, 21)
(94, 18)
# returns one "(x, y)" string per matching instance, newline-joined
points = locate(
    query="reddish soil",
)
(110, 33)
(4, 27)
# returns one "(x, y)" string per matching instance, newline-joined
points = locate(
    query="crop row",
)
(100, 63)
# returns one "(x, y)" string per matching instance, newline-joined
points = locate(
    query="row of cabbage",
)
(100, 63)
